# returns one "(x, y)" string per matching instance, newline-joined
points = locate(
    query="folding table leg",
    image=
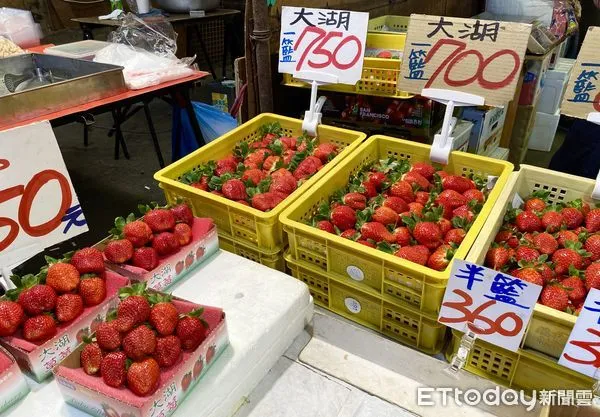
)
(205, 52)
(161, 162)
(119, 140)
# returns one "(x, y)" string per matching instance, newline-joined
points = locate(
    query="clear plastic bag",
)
(155, 35)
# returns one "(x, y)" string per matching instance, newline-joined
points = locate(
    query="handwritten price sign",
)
(320, 43)
(480, 57)
(582, 95)
(496, 306)
(582, 351)
(37, 201)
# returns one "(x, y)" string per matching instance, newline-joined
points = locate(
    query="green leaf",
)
(143, 208)
(410, 221)
(16, 279)
(387, 248)
(240, 169)
(272, 128)
(50, 260)
(196, 313)
(541, 194)
(241, 150)
(264, 185)
(276, 147)
(130, 218)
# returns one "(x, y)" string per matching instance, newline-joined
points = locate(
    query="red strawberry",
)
(119, 251)
(592, 245)
(545, 243)
(565, 236)
(370, 190)
(368, 243)
(526, 253)
(202, 184)
(442, 174)
(132, 310)
(575, 288)
(264, 201)
(283, 184)
(143, 377)
(254, 176)
(396, 203)
(529, 275)
(307, 167)
(455, 236)
(326, 226)
(160, 220)
(555, 297)
(183, 234)
(457, 183)
(592, 276)
(377, 179)
(281, 172)
(564, 258)
(145, 258)
(343, 217)
(88, 261)
(90, 358)
(355, 201)
(62, 277)
(440, 259)
(422, 197)
(271, 162)
(403, 190)
(92, 290)
(497, 257)
(112, 369)
(68, 307)
(225, 165)
(402, 235)
(210, 353)
(535, 204)
(186, 381)
(198, 366)
(546, 272)
(592, 221)
(108, 336)
(428, 234)
(416, 180)
(551, 221)
(463, 212)
(385, 216)
(11, 317)
(424, 169)
(503, 236)
(288, 142)
(165, 243)
(377, 232)
(234, 189)
(244, 202)
(528, 221)
(416, 208)
(139, 343)
(138, 233)
(445, 225)
(164, 317)
(474, 194)
(183, 214)
(418, 254)
(168, 350)
(325, 152)
(38, 329)
(37, 299)
(572, 218)
(351, 234)
(191, 331)
(451, 198)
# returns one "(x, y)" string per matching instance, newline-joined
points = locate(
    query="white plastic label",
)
(517, 201)
(355, 273)
(352, 305)
(492, 179)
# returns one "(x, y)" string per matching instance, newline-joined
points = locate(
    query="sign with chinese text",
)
(473, 56)
(582, 95)
(38, 204)
(495, 306)
(582, 351)
(323, 43)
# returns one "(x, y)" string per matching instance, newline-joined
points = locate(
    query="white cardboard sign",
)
(322, 44)
(495, 306)
(38, 205)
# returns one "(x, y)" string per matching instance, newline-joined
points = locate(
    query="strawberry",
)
(370, 189)
(283, 184)
(234, 189)
(422, 197)
(11, 317)
(119, 251)
(545, 243)
(418, 254)
(326, 226)
(503, 236)
(565, 236)
(497, 257)
(377, 232)
(396, 203)
(528, 221)
(37, 299)
(425, 169)
(168, 350)
(288, 142)
(457, 183)
(164, 315)
(535, 204)
(113, 369)
(445, 225)
(403, 190)
(92, 290)
(165, 243)
(191, 330)
(139, 343)
(463, 212)
(143, 377)
(183, 214)
(566, 257)
(253, 176)
(575, 288)
(271, 162)
(529, 275)
(39, 328)
(90, 358)
(451, 198)
(377, 179)
(256, 158)
(428, 234)
(88, 261)
(416, 180)
(455, 236)
(442, 174)
(474, 194)
(527, 238)
(160, 220)
(416, 208)
(183, 234)
(225, 165)
(385, 216)
(592, 220)
(281, 172)
(355, 201)
(440, 258)
(343, 217)
(244, 202)
(551, 221)
(555, 297)
(592, 276)
(351, 234)
(546, 272)
(325, 152)
(526, 253)
(402, 235)
(68, 307)
(592, 245)
(202, 184)
(62, 277)
(133, 309)
(572, 218)
(138, 233)
(145, 258)
(368, 243)
(307, 167)
(108, 336)
(264, 201)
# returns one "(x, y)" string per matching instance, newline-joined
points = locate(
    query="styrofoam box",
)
(553, 90)
(544, 130)
(500, 153)
(461, 134)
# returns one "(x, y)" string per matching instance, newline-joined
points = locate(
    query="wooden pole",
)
(261, 33)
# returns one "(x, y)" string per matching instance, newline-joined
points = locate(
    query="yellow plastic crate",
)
(234, 220)
(272, 260)
(373, 271)
(548, 329)
(525, 370)
(381, 313)
(379, 76)
(389, 24)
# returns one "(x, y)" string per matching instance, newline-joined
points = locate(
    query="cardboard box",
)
(533, 82)
(90, 394)
(487, 127)
(499, 153)
(13, 385)
(38, 360)
(172, 268)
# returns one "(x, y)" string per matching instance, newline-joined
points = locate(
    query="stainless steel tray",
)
(76, 82)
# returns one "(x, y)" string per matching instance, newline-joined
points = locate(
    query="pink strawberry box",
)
(38, 360)
(172, 268)
(13, 385)
(92, 395)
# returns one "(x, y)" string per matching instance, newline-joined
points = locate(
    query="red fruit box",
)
(172, 268)
(38, 360)
(13, 385)
(90, 394)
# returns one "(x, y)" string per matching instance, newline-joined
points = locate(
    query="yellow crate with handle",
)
(234, 220)
(273, 260)
(378, 273)
(548, 329)
(389, 24)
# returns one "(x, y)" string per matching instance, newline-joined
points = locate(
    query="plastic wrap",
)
(19, 27)
(154, 35)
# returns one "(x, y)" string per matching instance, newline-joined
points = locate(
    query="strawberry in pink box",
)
(47, 315)
(145, 358)
(160, 247)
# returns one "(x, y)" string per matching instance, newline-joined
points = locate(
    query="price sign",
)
(319, 44)
(480, 57)
(495, 306)
(38, 204)
(582, 351)
(582, 95)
